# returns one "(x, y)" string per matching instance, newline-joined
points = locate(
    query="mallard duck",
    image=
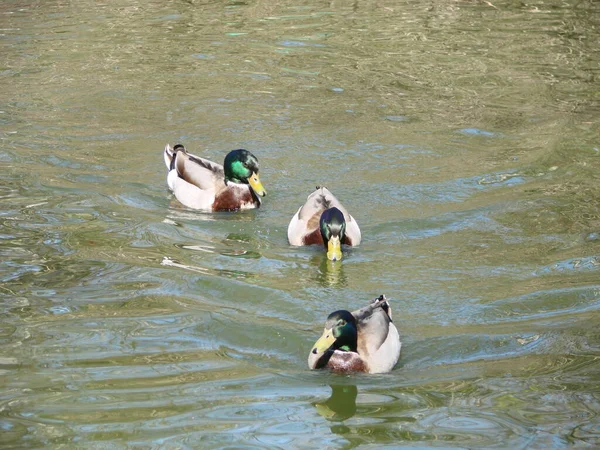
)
(365, 340)
(323, 220)
(202, 184)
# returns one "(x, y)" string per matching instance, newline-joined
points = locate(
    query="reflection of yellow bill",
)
(334, 248)
(325, 410)
(254, 181)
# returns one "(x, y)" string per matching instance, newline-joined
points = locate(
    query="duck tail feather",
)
(168, 156)
(381, 302)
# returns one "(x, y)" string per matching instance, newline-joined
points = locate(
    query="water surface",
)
(462, 136)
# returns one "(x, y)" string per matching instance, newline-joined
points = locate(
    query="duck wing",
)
(378, 339)
(373, 326)
(195, 170)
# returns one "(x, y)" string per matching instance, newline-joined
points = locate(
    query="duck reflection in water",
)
(330, 273)
(341, 405)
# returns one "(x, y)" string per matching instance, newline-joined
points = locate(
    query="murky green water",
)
(463, 137)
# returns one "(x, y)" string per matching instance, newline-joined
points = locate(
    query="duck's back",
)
(378, 338)
(200, 172)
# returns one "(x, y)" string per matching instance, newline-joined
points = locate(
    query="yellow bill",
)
(325, 341)
(257, 186)
(334, 249)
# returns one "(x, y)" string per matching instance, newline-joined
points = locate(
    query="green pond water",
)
(463, 136)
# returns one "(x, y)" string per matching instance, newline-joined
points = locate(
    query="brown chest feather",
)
(233, 198)
(342, 361)
(313, 238)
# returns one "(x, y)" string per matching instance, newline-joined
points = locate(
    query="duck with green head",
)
(365, 340)
(202, 184)
(324, 221)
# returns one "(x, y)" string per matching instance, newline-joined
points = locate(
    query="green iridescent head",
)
(333, 230)
(340, 333)
(241, 166)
